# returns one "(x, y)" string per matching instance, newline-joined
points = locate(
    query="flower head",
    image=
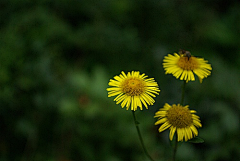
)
(133, 90)
(184, 64)
(178, 119)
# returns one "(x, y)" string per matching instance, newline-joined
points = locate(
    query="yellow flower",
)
(178, 119)
(133, 90)
(183, 65)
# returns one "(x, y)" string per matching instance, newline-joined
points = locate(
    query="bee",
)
(185, 53)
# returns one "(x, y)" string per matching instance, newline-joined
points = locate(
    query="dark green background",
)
(56, 58)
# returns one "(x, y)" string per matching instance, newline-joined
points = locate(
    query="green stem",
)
(176, 139)
(140, 136)
(175, 148)
(183, 92)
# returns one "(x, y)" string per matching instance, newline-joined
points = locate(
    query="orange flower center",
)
(179, 116)
(133, 86)
(188, 63)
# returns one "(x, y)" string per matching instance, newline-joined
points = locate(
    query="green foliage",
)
(196, 140)
(56, 58)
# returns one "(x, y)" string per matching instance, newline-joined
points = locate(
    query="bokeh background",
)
(56, 58)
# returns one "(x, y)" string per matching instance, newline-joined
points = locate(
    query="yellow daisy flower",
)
(183, 65)
(178, 119)
(133, 90)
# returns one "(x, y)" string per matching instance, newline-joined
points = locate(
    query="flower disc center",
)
(179, 116)
(133, 86)
(187, 63)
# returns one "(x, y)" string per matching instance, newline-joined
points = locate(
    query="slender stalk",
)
(183, 92)
(140, 136)
(176, 139)
(175, 148)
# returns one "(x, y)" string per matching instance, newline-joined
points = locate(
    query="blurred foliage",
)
(56, 58)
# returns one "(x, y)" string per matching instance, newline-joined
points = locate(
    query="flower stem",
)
(183, 92)
(176, 139)
(140, 136)
(175, 148)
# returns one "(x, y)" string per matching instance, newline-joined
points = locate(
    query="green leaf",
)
(196, 140)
